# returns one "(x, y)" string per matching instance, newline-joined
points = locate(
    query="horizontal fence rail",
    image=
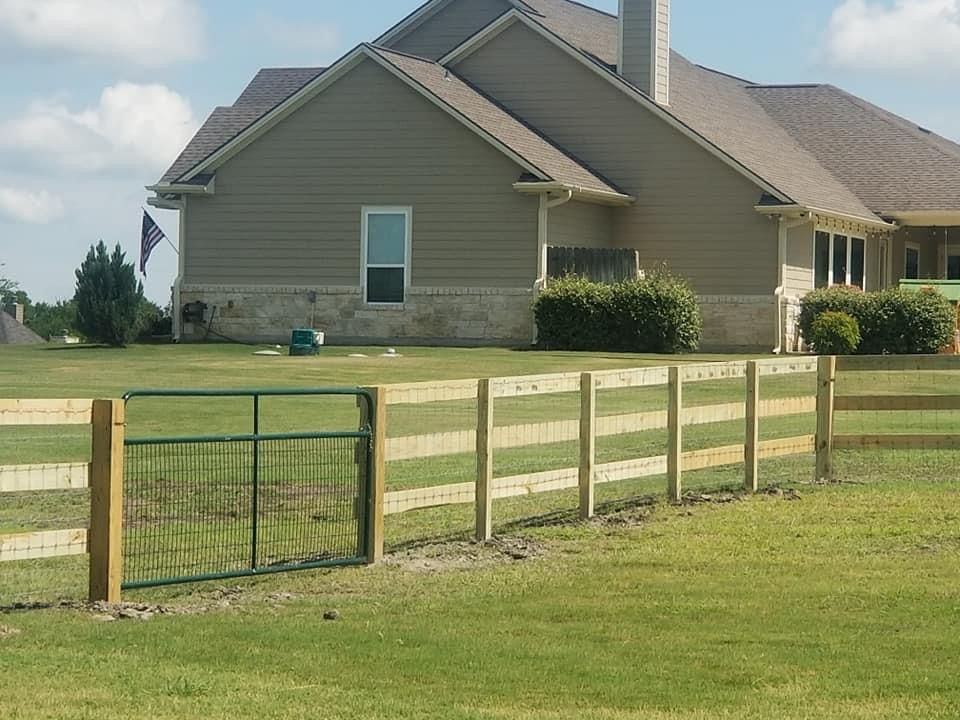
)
(45, 412)
(50, 476)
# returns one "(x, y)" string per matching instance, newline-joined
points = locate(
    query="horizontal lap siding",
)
(578, 224)
(799, 279)
(693, 212)
(449, 27)
(287, 209)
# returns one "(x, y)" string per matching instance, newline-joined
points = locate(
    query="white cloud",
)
(35, 207)
(145, 32)
(317, 37)
(903, 35)
(133, 126)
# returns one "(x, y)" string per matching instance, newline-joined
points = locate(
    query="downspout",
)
(781, 290)
(178, 282)
(543, 215)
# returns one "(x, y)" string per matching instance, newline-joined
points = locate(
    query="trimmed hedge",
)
(658, 314)
(835, 333)
(892, 322)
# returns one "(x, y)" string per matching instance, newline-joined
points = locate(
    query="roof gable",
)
(13, 333)
(533, 152)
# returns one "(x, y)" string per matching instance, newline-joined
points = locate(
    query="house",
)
(409, 191)
(12, 329)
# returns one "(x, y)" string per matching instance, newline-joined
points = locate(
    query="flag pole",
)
(172, 246)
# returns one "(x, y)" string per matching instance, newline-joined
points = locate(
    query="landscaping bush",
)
(894, 321)
(108, 297)
(835, 333)
(658, 314)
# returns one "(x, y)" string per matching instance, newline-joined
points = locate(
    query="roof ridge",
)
(721, 72)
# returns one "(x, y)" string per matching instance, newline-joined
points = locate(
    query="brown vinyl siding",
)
(578, 224)
(287, 209)
(448, 27)
(692, 212)
(799, 277)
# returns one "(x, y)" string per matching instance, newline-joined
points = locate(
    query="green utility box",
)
(949, 288)
(305, 342)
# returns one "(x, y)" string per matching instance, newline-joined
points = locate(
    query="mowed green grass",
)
(840, 604)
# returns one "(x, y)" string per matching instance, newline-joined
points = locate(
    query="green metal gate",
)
(221, 506)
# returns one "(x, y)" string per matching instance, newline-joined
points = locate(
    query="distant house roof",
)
(13, 333)
(817, 145)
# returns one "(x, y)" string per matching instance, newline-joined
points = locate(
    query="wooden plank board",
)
(424, 446)
(484, 492)
(535, 385)
(532, 483)
(675, 435)
(639, 377)
(713, 457)
(45, 412)
(881, 403)
(713, 371)
(37, 545)
(826, 395)
(787, 366)
(784, 447)
(428, 392)
(50, 476)
(400, 501)
(896, 442)
(898, 363)
(632, 469)
(752, 429)
(588, 444)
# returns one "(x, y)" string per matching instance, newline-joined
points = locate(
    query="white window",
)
(385, 248)
(839, 259)
(911, 262)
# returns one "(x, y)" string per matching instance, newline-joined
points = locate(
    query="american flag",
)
(150, 237)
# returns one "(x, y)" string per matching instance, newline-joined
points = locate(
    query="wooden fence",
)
(487, 437)
(103, 475)
(829, 403)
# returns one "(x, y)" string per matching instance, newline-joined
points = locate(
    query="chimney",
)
(644, 52)
(18, 313)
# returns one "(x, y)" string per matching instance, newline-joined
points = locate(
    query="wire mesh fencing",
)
(208, 507)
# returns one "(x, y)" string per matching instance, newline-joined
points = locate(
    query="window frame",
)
(365, 212)
(830, 268)
(907, 246)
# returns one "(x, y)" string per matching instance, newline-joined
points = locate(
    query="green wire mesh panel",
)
(210, 507)
(221, 508)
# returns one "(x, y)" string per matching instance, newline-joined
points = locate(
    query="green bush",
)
(835, 333)
(658, 314)
(891, 322)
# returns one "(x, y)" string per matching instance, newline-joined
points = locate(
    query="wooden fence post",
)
(588, 443)
(751, 481)
(105, 537)
(484, 489)
(675, 435)
(379, 475)
(826, 389)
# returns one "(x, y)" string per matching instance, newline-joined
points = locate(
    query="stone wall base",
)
(436, 316)
(446, 316)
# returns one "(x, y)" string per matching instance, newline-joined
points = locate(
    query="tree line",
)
(107, 307)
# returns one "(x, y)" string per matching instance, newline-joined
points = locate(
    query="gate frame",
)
(370, 537)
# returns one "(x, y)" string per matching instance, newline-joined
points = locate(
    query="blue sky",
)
(98, 95)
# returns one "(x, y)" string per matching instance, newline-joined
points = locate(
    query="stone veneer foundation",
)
(446, 316)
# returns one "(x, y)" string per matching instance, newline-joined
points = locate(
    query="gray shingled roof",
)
(13, 333)
(495, 121)
(819, 146)
(891, 163)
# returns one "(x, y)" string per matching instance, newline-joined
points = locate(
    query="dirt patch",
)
(444, 557)
(783, 493)
(719, 498)
(7, 632)
(629, 517)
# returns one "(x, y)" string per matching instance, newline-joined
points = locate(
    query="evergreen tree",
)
(108, 297)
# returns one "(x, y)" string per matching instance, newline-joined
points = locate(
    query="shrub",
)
(835, 333)
(842, 298)
(108, 297)
(893, 321)
(658, 314)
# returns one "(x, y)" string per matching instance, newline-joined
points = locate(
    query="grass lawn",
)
(809, 602)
